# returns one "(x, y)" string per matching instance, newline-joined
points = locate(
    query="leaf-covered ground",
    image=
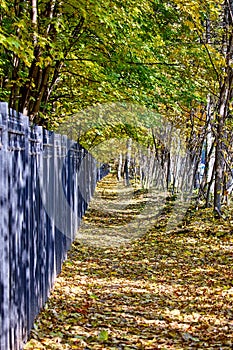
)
(165, 289)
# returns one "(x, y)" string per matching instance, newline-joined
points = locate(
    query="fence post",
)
(47, 190)
(4, 234)
(24, 244)
(35, 218)
(18, 170)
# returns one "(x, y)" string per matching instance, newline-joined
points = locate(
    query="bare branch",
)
(230, 11)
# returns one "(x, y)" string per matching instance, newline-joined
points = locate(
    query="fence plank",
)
(4, 236)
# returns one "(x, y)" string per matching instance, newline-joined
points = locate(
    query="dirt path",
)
(126, 285)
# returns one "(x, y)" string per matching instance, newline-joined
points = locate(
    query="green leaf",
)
(103, 335)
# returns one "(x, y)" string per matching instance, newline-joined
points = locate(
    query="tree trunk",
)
(218, 166)
(225, 95)
(127, 162)
(119, 167)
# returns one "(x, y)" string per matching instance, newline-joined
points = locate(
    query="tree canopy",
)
(59, 58)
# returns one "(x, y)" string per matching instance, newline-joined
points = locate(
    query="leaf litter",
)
(160, 290)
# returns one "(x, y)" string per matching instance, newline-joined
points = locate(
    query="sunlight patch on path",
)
(118, 214)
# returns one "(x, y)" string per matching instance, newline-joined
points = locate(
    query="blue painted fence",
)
(46, 182)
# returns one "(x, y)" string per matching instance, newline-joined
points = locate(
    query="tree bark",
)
(127, 162)
(223, 108)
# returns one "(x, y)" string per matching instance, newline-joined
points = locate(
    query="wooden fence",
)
(46, 181)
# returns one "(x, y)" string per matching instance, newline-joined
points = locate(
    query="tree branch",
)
(230, 10)
(210, 58)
